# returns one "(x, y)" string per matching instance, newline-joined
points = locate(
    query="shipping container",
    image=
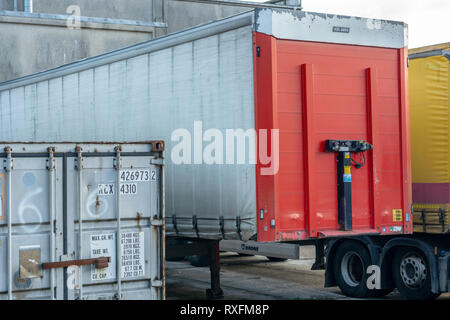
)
(70, 212)
(430, 131)
(303, 78)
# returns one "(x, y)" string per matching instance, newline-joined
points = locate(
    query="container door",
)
(31, 226)
(314, 92)
(118, 199)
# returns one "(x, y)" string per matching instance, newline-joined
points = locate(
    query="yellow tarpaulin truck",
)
(430, 142)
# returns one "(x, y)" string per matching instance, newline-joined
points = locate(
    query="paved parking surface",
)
(254, 277)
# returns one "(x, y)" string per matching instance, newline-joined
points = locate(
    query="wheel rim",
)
(352, 268)
(413, 271)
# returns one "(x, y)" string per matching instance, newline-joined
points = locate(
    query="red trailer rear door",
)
(313, 92)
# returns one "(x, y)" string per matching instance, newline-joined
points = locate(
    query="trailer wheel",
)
(411, 274)
(350, 264)
(199, 261)
(177, 241)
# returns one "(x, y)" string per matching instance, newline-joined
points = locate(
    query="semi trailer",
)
(279, 126)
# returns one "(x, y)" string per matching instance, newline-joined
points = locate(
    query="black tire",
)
(274, 259)
(175, 242)
(176, 259)
(411, 274)
(350, 264)
(380, 293)
(199, 261)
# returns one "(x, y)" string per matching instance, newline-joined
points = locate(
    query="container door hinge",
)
(79, 161)
(157, 161)
(8, 162)
(118, 158)
(51, 159)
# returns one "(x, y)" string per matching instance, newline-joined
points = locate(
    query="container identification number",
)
(137, 175)
(128, 188)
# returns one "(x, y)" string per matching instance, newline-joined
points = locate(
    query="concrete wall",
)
(29, 46)
(177, 14)
(6, 4)
(180, 15)
(124, 9)
(115, 9)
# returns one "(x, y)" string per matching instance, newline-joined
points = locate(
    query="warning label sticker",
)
(103, 245)
(397, 215)
(133, 262)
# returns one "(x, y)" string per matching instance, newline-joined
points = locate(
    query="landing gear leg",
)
(216, 291)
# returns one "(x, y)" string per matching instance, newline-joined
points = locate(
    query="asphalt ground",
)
(255, 278)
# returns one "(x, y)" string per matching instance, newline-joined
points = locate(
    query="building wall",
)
(6, 4)
(115, 9)
(180, 15)
(31, 45)
(177, 14)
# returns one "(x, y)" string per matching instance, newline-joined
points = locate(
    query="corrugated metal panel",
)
(41, 204)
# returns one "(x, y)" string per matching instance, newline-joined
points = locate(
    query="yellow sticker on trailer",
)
(347, 170)
(397, 215)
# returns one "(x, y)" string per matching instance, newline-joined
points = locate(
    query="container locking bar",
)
(100, 263)
(345, 148)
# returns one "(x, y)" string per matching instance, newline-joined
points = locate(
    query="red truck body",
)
(312, 92)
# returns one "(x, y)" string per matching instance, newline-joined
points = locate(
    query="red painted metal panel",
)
(405, 136)
(312, 92)
(372, 104)
(266, 118)
(307, 90)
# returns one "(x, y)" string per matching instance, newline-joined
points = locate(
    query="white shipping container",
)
(48, 252)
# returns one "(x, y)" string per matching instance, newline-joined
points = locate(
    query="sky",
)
(428, 20)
